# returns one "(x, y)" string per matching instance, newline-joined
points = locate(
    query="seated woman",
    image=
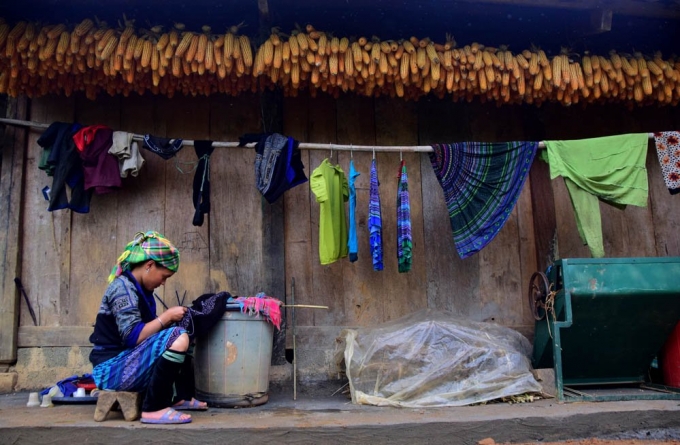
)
(135, 350)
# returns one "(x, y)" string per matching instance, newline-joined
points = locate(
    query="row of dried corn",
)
(37, 60)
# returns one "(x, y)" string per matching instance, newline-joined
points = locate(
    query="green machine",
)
(600, 323)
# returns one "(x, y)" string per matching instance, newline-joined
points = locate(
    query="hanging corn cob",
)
(94, 58)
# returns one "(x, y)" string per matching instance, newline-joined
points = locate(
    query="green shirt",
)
(329, 185)
(609, 168)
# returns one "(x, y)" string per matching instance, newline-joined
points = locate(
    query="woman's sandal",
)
(190, 405)
(169, 417)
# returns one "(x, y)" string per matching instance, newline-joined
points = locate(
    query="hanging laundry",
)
(481, 183)
(352, 243)
(100, 168)
(67, 167)
(329, 185)
(375, 219)
(278, 163)
(609, 168)
(163, 147)
(130, 160)
(85, 136)
(668, 150)
(201, 195)
(261, 304)
(404, 239)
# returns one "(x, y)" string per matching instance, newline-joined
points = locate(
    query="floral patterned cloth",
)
(668, 150)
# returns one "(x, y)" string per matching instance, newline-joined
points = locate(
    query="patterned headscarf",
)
(147, 246)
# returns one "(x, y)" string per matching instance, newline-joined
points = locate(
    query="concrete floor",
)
(326, 419)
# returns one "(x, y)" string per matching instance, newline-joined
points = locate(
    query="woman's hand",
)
(173, 314)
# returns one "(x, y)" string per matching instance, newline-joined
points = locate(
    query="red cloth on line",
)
(86, 135)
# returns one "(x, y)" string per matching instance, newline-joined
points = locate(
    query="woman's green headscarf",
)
(147, 246)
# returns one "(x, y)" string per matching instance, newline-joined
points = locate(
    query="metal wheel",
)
(539, 287)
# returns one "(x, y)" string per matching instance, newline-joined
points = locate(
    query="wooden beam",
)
(54, 336)
(650, 8)
(11, 188)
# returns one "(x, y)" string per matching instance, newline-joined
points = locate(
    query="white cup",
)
(33, 400)
(80, 392)
(46, 401)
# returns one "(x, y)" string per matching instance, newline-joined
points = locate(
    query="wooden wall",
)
(67, 256)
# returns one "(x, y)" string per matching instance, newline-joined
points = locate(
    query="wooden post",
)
(273, 256)
(11, 191)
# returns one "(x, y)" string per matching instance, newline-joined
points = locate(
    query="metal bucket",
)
(232, 362)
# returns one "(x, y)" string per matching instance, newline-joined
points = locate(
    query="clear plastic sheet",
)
(430, 359)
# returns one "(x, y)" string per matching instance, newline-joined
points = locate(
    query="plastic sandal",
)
(170, 417)
(191, 405)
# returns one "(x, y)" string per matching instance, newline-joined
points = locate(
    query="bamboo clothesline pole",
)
(302, 145)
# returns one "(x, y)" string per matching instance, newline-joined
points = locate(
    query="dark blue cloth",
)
(68, 385)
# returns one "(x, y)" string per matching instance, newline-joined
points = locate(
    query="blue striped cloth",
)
(404, 239)
(482, 182)
(375, 220)
(131, 369)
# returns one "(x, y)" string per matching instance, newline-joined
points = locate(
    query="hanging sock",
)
(375, 219)
(481, 183)
(404, 238)
(611, 169)
(668, 150)
(352, 243)
(201, 194)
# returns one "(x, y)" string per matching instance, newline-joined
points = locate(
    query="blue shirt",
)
(352, 242)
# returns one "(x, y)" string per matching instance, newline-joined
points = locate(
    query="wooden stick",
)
(302, 145)
(309, 306)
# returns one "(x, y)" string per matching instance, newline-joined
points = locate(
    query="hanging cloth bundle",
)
(352, 242)
(163, 147)
(481, 183)
(375, 219)
(668, 150)
(201, 195)
(404, 239)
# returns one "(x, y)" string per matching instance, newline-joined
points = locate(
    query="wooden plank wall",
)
(67, 257)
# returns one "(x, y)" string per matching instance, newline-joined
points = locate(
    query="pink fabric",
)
(261, 304)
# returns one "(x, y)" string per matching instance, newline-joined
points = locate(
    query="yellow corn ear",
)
(432, 53)
(146, 54)
(228, 46)
(48, 50)
(408, 46)
(349, 64)
(75, 43)
(63, 43)
(27, 37)
(4, 32)
(184, 44)
(246, 50)
(302, 42)
(163, 42)
(343, 45)
(101, 44)
(323, 45)
(108, 47)
(190, 55)
(278, 56)
(83, 27)
(557, 71)
(130, 48)
(139, 48)
(53, 33)
(268, 52)
(202, 48)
